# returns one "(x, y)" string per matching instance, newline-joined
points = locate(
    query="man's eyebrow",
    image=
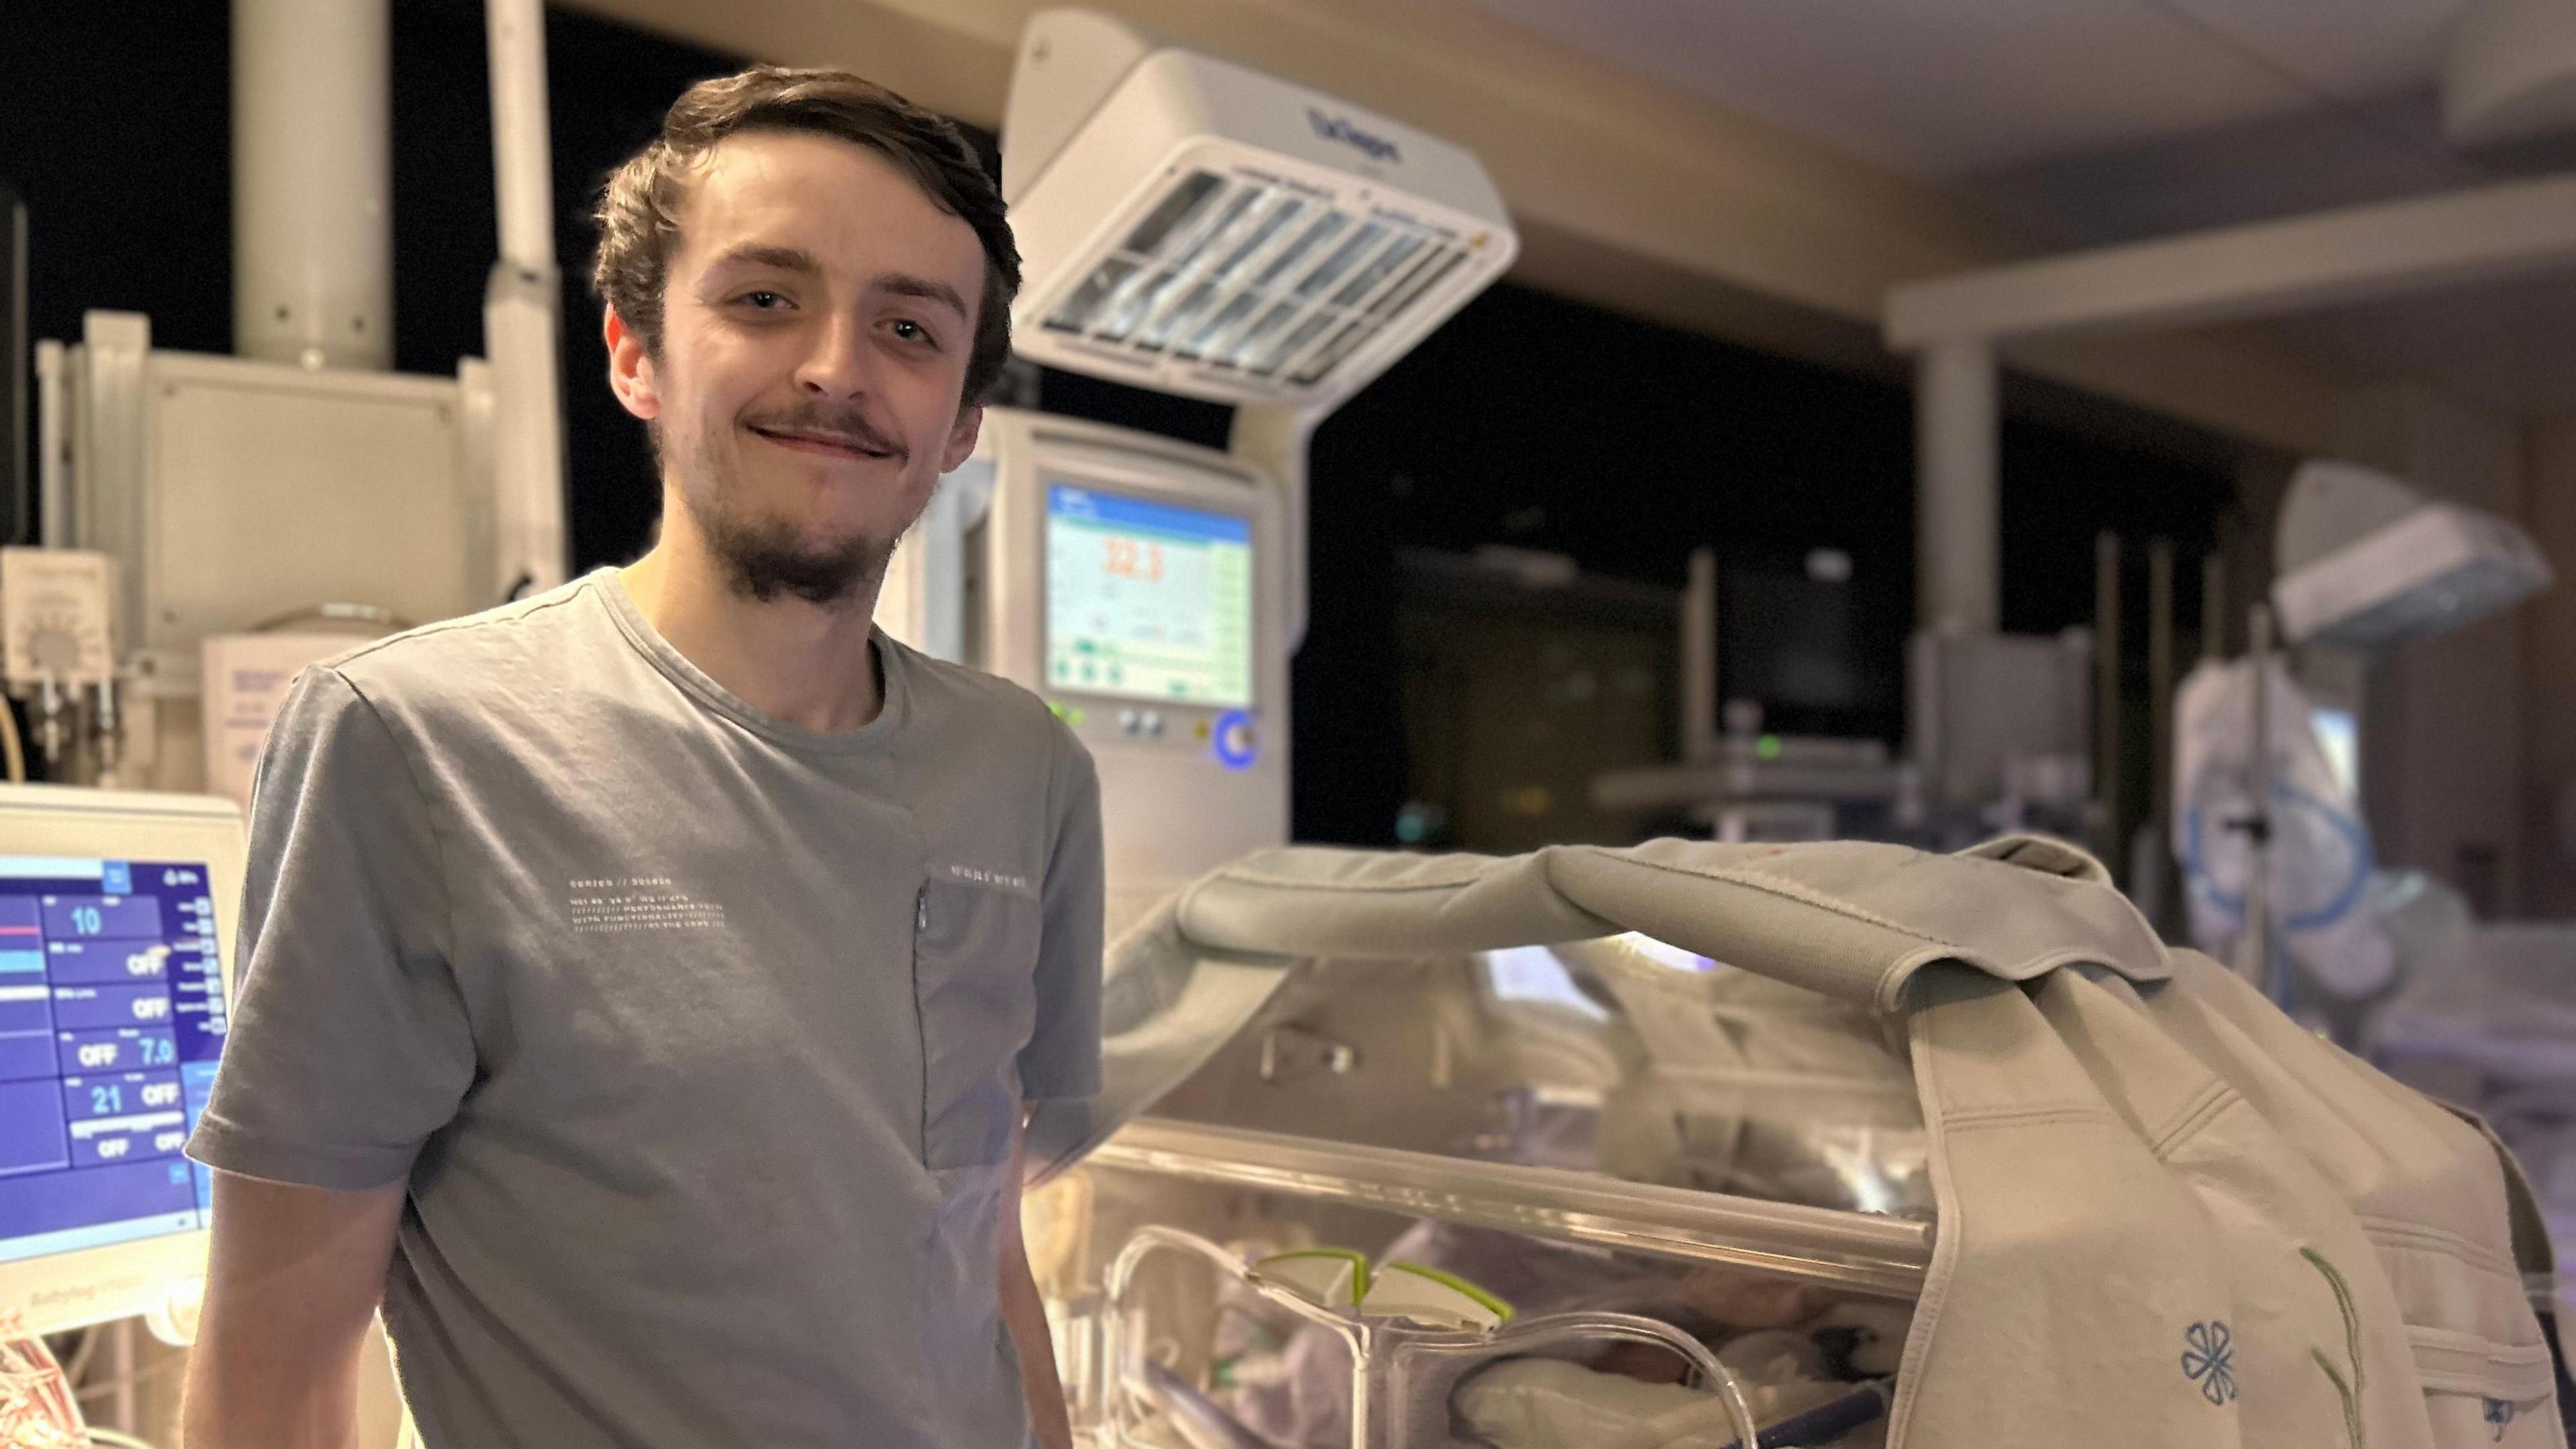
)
(904, 284)
(784, 259)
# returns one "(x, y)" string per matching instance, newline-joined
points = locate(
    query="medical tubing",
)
(1367, 1340)
(1182, 1401)
(1827, 1422)
(1127, 1357)
(13, 749)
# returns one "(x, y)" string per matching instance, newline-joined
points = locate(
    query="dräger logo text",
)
(973, 875)
(1336, 128)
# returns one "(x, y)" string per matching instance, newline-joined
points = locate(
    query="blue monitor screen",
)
(1148, 600)
(111, 1018)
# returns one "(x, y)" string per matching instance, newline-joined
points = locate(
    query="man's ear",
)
(630, 368)
(961, 438)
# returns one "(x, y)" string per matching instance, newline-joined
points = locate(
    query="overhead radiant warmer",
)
(1200, 228)
(1194, 227)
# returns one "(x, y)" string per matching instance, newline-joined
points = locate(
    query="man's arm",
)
(292, 1284)
(1025, 1313)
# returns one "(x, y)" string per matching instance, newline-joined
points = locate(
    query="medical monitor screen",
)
(111, 1018)
(1534, 974)
(1148, 600)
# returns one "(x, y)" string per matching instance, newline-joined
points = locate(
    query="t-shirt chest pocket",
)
(974, 963)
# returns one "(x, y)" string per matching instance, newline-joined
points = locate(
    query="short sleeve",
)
(349, 1043)
(1062, 1058)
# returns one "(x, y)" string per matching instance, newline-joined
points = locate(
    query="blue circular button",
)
(1236, 743)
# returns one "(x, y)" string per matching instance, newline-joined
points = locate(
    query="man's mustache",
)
(847, 426)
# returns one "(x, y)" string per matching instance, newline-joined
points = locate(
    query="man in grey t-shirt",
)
(643, 983)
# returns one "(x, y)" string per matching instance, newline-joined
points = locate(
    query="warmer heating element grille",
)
(1248, 278)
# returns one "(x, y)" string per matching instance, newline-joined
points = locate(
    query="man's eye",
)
(762, 301)
(911, 331)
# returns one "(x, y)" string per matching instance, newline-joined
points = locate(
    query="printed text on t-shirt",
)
(638, 903)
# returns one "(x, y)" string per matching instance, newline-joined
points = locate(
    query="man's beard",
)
(765, 555)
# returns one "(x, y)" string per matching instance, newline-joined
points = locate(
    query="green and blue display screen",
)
(111, 1020)
(1148, 600)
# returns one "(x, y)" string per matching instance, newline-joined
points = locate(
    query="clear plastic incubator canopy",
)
(1529, 1196)
(1617, 1155)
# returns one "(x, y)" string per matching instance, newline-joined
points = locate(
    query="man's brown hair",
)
(639, 209)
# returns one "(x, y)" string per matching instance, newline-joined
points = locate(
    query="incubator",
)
(1654, 1200)
(1470, 1152)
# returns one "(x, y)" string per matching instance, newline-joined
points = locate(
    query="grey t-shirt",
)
(697, 1035)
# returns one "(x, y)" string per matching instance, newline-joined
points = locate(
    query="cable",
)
(139, 1376)
(112, 1439)
(88, 1346)
(11, 748)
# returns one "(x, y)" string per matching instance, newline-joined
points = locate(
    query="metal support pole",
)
(2254, 948)
(14, 481)
(313, 257)
(53, 441)
(123, 1400)
(2106, 693)
(522, 301)
(2213, 607)
(523, 184)
(1275, 440)
(1956, 507)
(1699, 657)
(2160, 676)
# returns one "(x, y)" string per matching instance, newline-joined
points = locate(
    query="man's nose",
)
(839, 362)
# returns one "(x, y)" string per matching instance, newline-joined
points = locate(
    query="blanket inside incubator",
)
(1813, 1363)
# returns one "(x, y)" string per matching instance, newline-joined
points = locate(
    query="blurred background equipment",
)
(1762, 646)
(2315, 876)
(300, 474)
(2275, 851)
(209, 524)
(2366, 562)
(1522, 677)
(2002, 729)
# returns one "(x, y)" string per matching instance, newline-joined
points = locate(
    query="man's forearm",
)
(292, 1284)
(1024, 1308)
(252, 1396)
(1024, 1311)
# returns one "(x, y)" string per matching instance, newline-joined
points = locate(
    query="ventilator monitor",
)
(114, 910)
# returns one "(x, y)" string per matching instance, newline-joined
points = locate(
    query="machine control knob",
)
(1127, 721)
(1153, 723)
(1236, 743)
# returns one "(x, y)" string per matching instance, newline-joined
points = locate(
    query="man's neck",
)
(806, 663)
